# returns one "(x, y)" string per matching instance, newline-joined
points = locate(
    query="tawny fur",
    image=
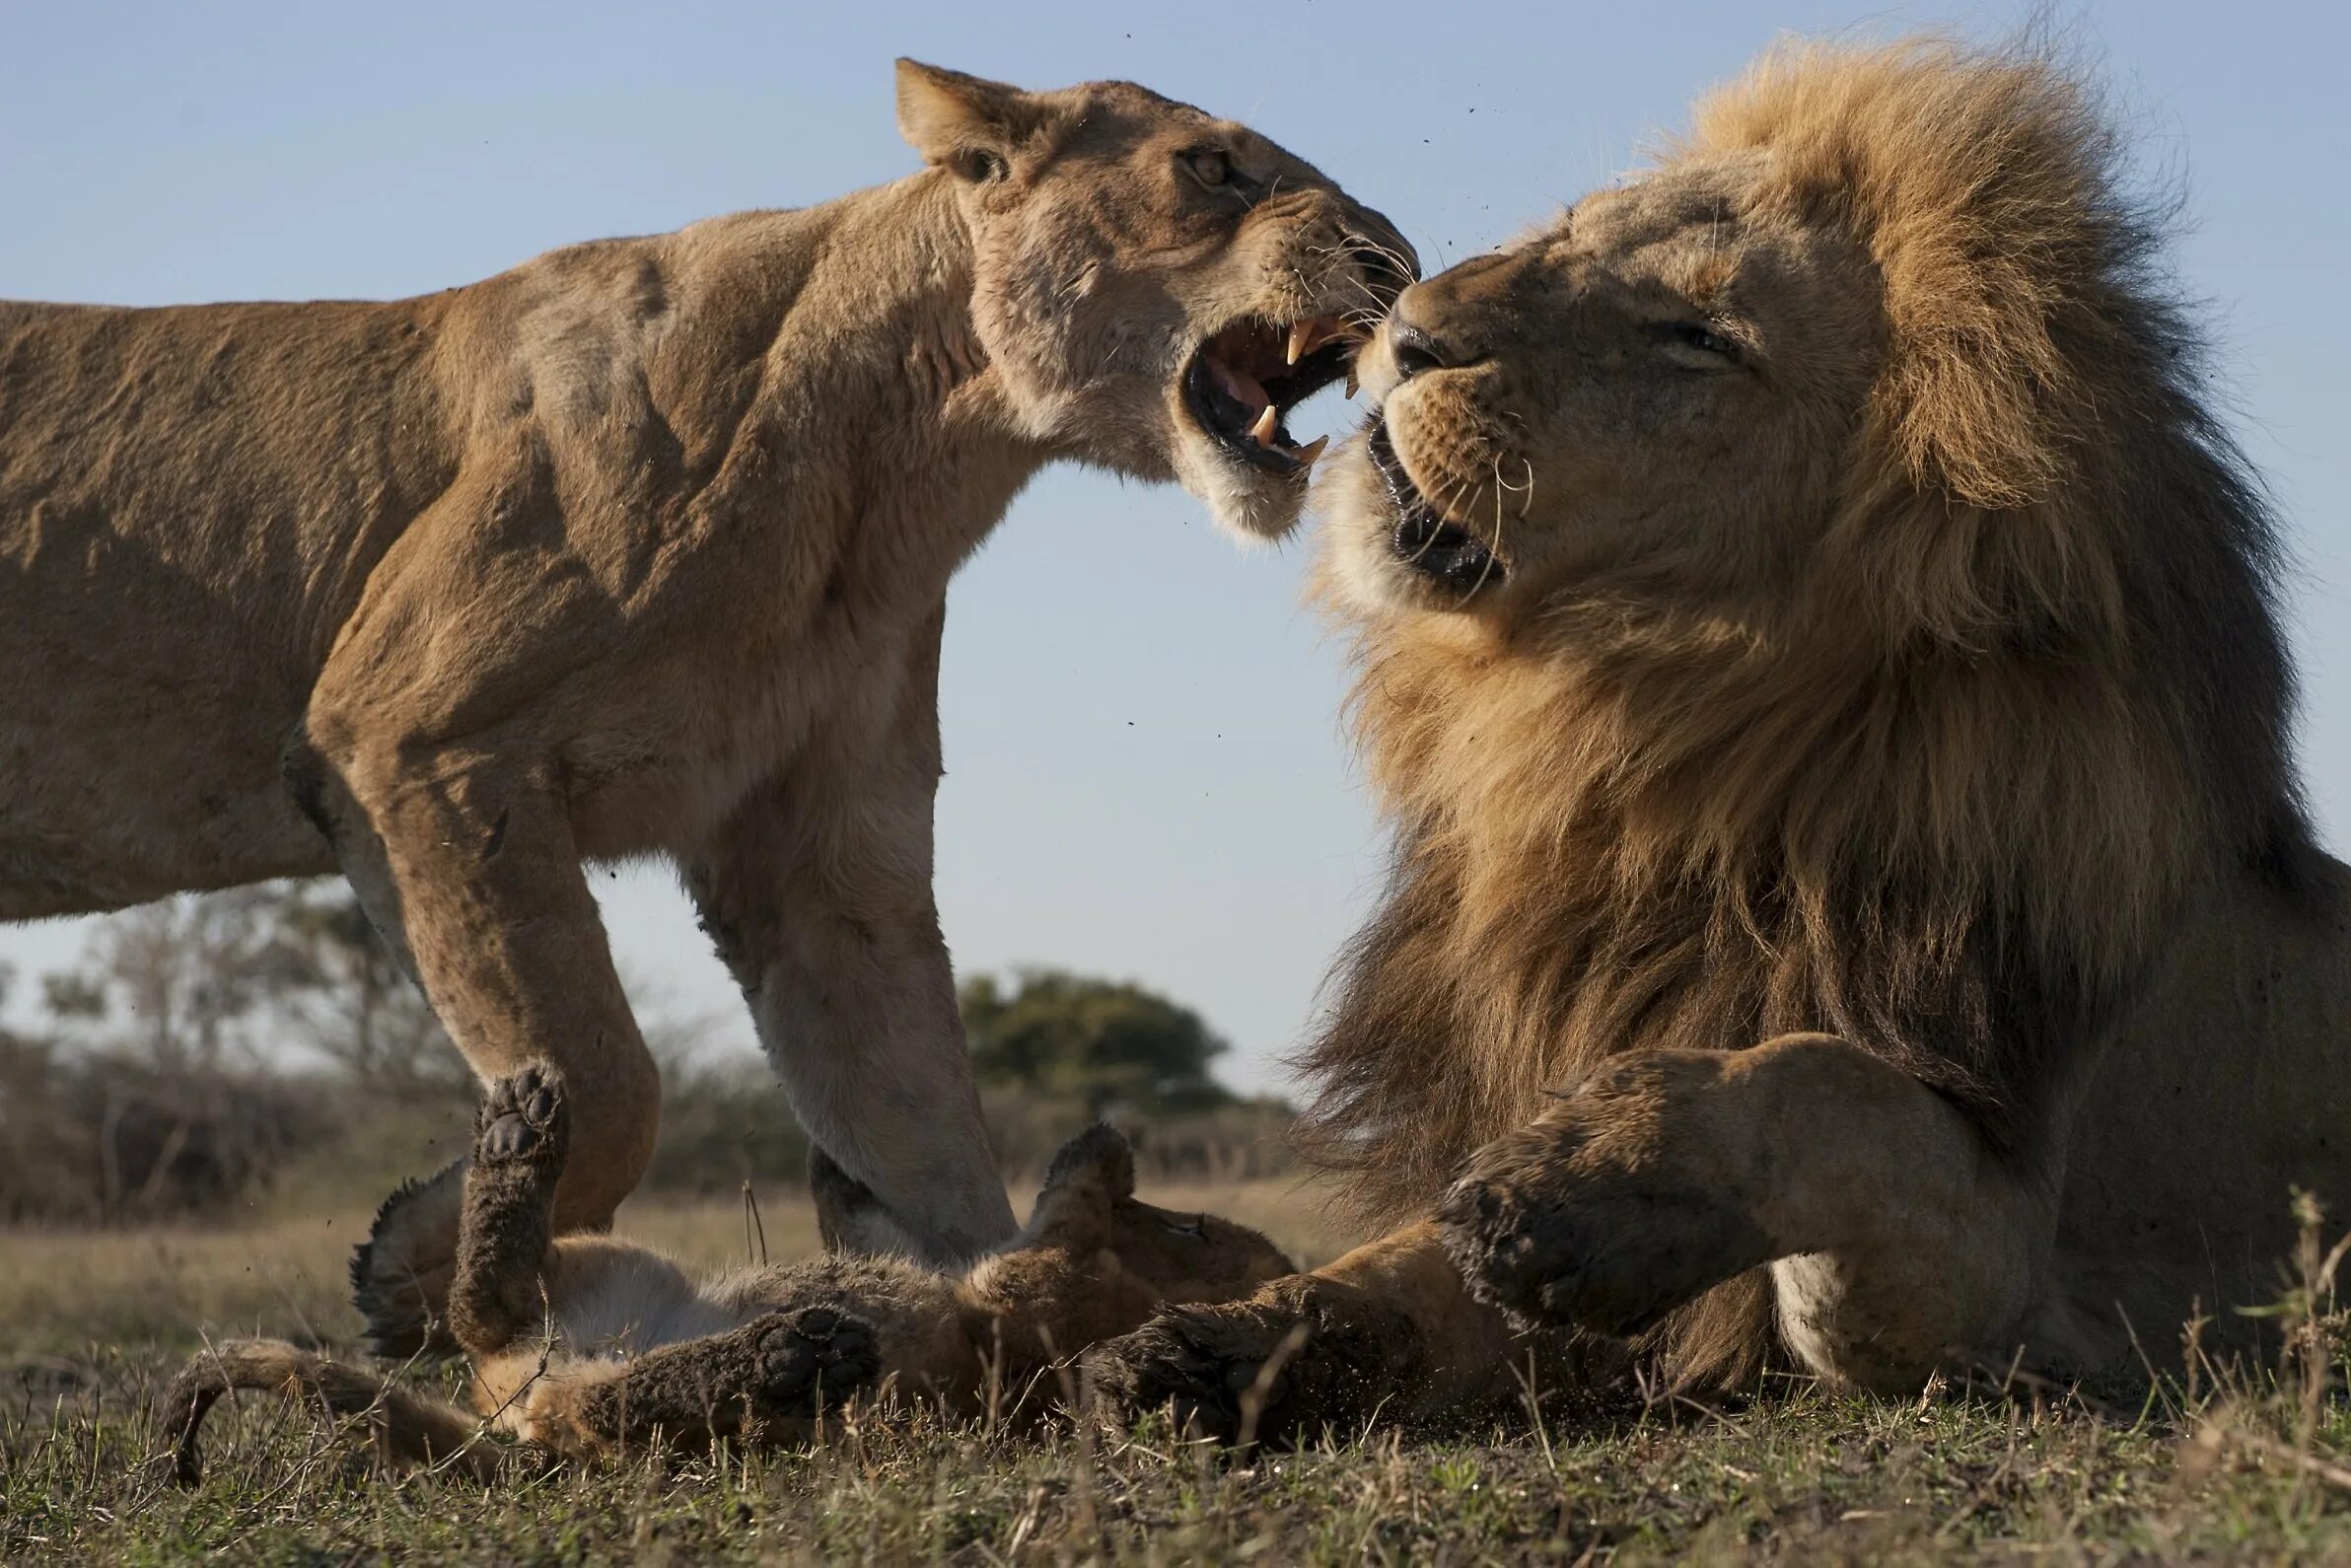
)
(639, 548)
(1875, 658)
(586, 1346)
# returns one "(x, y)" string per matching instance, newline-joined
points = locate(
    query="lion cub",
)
(584, 1344)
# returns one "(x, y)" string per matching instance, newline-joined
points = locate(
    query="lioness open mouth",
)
(1422, 538)
(1243, 382)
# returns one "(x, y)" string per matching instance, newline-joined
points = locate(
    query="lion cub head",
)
(1094, 1260)
(1156, 287)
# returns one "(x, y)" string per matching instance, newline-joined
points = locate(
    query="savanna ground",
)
(91, 1321)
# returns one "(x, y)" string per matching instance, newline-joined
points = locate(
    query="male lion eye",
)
(1210, 166)
(1704, 339)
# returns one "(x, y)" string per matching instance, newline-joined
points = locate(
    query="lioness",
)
(582, 1345)
(1818, 652)
(641, 548)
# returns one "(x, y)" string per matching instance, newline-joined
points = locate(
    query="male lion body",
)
(1818, 651)
(641, 548)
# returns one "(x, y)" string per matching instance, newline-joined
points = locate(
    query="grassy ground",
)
(91, 1323)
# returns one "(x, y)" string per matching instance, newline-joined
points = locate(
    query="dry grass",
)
(90, 1324)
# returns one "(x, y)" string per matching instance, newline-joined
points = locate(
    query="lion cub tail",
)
(409, 1428)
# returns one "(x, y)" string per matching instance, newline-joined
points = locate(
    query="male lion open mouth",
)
(640, 547)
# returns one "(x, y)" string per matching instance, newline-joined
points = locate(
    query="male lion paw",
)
(522, 1119)
(1305, 1354)
(1610, 1210)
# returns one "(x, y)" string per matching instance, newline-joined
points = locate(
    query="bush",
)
(106, 1137)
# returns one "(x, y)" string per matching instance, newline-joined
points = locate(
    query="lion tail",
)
(409, 1428)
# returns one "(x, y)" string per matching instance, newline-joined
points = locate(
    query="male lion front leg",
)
(1387, 1333)
(1896, 1238)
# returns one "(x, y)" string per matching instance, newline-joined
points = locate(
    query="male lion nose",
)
(1414, 349)
(1433, 325)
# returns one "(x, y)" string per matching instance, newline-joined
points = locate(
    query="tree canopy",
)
(1105, 1042)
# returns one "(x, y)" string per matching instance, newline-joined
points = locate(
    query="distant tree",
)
(354, 1004)
(186, 976)
(1103, 1041)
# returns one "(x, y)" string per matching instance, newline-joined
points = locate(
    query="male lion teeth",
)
(1267, 422)
(1312, 451)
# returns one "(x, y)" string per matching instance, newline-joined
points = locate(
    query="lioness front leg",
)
(440, 724)
(512, 954)
(1387, 1331)
(1897, 1238)
(816, 893)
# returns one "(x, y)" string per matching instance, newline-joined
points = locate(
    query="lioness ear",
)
(964, 124)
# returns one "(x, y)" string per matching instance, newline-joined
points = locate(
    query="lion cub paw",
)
(812, 1359)
(522, 1121)
(1301, 1357)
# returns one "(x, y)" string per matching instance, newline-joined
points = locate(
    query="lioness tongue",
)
(1237, 384)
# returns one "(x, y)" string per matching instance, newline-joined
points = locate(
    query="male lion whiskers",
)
(641, 548)
(1848, 854)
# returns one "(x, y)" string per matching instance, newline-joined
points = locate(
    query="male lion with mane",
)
(639, 548)
(1818, 651)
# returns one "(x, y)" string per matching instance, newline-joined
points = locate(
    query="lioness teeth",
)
(1267, 422)
(1306, 336)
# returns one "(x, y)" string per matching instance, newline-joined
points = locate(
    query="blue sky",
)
(1146, 772)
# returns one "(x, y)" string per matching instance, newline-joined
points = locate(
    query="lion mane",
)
(2031, 695)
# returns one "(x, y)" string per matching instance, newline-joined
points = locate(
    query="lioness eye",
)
(1209, 166)
(1196, 1229)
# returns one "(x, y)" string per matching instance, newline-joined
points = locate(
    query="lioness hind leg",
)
(766, 1378)
(522, 1134)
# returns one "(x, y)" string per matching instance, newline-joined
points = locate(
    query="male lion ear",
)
(964, 124)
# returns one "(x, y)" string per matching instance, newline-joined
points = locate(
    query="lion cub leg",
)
(1387, 1334)
(769, 1379)
(1897, 1240)
(521, 1136)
